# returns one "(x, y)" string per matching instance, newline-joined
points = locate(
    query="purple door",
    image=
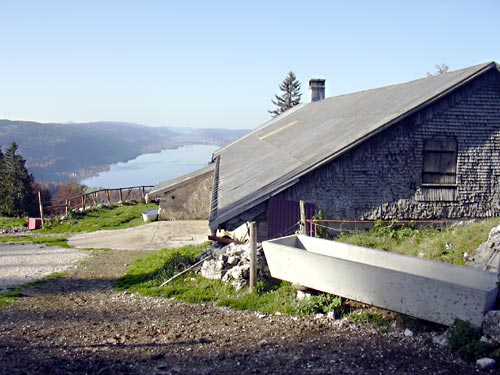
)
(284, 217)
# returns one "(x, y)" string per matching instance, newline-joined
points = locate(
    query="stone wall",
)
(382, 177)
(189, 201)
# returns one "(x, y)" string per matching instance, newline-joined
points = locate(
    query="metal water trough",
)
(425, 289)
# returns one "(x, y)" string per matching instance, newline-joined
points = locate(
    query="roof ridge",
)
(478, 67)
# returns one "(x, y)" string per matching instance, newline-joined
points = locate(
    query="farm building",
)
(425, 149)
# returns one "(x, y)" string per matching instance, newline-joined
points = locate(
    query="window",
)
(439, 163)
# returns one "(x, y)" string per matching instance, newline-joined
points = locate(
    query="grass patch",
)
(47, 241)
(116, 217)
(13, 222)
(55, 231)
(465, 341)
(147, 274)
(10, 296)
(444, 245)
(372, 316)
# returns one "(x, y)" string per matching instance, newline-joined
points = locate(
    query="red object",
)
(34, 223)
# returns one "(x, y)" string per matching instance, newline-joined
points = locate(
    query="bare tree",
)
(439, 69)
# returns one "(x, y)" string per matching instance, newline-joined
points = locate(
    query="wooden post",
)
(253, 255)
(109, 197)
(40, 206)
(302, 225)
(66, 210)
(95, 198)
(143, 195)
(83, 202)
(121, 196)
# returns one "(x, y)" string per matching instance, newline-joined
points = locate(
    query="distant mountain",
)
(58, 152)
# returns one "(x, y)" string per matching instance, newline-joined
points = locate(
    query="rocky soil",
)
(80, 325)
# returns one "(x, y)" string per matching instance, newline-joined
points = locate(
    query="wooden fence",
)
(100, 197)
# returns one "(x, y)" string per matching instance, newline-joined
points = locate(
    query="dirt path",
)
(152, 236)
(80, 325)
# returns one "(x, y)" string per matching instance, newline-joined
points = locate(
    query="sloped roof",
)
(273, 156)
(173, 183)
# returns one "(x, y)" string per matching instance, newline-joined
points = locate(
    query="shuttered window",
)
(439, 162)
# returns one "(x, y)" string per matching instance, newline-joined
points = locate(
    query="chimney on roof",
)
(316, 89)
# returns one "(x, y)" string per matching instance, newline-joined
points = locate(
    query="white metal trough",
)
(425, 289)
(151, 215)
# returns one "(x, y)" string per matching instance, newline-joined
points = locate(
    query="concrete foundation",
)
(434, 291)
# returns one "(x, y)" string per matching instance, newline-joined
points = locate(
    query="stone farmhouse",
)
(425, 149)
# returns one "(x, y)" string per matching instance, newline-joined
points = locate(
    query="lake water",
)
(150, 169)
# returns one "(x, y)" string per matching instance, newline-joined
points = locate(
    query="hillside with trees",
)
(59, 152)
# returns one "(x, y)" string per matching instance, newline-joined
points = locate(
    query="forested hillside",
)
(57, 152)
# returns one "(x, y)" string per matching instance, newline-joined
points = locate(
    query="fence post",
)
(121, 196)
(302, 227)
(66, 210)
(41, 206)
(253, 255)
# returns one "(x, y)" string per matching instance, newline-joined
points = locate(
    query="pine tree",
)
(19, 199)
(290, 97)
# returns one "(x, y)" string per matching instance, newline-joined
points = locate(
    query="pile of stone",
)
(487, 256)
(231, 264)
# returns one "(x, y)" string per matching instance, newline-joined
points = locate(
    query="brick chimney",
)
(316, 89)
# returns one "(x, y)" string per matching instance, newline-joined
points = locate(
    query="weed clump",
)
(465, 339)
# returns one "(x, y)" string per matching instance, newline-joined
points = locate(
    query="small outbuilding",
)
(186, 197)
(425, 149)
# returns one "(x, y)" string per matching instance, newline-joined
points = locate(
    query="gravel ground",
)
(20, 264)
(80, 325)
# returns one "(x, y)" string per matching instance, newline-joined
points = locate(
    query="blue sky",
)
(219, 63)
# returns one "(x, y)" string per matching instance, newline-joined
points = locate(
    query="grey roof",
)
(168, 185)
(273, 156)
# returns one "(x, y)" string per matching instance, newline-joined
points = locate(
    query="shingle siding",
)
(382, 177)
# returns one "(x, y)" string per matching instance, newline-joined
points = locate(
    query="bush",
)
(465, 341)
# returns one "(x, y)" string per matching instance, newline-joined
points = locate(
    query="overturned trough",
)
(425, 289)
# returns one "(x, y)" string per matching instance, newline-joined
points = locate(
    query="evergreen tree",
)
(2, 178)
(290, 97)
(19, 199)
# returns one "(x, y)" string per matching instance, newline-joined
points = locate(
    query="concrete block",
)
(434, 291)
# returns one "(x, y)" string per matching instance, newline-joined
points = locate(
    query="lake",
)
(150, 169)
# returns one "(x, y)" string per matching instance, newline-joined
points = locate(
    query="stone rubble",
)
(231, 264)
(487, 256)
(486, 363)
(491, 325)
(442, 340)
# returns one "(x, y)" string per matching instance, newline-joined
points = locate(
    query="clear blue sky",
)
(219, 63)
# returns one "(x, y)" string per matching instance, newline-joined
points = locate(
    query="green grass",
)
(119, 217)
(47, 241)
(55, 232)
(444, 245)
(13, 222)
(147, 274)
